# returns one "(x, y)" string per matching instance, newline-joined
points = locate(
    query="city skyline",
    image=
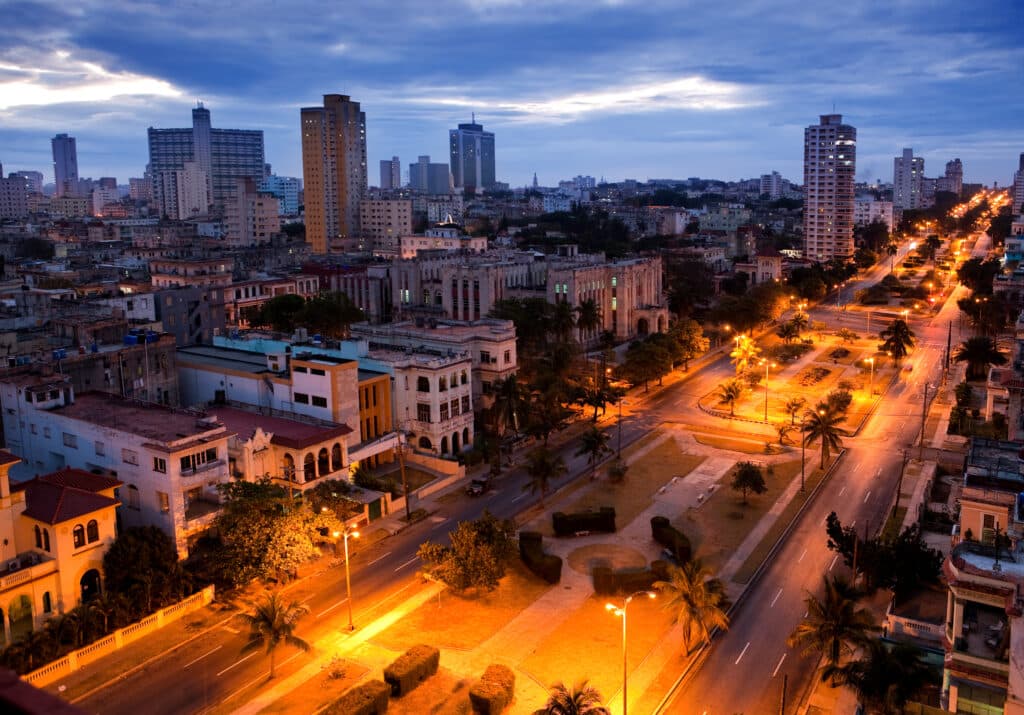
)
(616, 89)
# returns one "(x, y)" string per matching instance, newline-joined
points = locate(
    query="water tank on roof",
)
(60, 354)
(131, 339)
(317, 339)
(94, 348)
(152, 337)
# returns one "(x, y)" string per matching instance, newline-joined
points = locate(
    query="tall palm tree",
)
(744, 353)
(823, 423)
(696, 600)
(106, 608)
(835, 624)
(588, 318)
(581, 699)
(885, 678)
(979, 352)
(793, 406)
(273, 623)
(788, 332)
(563, 320)
(898, 339)
(729, 393)
(800, 321)
(543, 466)
(594, 444)
(892, 248)
(509, 404)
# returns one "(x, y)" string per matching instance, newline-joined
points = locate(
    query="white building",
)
(446, 237)
(384, 222)
(907, 178)
(186, 192)
(251, 217)
(771, 184)
(102, 196)
(868, 210)
(830, 164)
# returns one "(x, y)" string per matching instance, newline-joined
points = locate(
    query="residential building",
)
(33, 180)
(223, 155)
(242, 298)
(443, 237)
(472, 156)
(390, 173)
(1017, 193)
(70, 206)
(771, 185)
(867, 209)
(334, 172)
(140, 189)
(55, 529)
(171, 461)
(830, 165)
(430, 178)
(13, 197)
(286, 189)
(445, 208)
(953, 180)
(184, 192)
(251, 216)
(384, 222)
(65, 164)
(727, 218)
(185, 272)
(103, 196)
(193, 313)
(907, 175)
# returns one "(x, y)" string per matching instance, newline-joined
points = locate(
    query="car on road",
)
(477, 487)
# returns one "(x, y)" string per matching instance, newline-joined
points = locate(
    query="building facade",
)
(430, 178)
(390, 173)
(1017, 193)
(907, 178)
(65, 164)
(384, 222)
(868, 210)
(286, 189)
(830, 165)
(334, 172)
(472, 156)
(251, 216)
(13, 197)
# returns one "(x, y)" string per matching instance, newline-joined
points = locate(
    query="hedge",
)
(370, 698)
(568, 524)
(608, 581)
(531, 551)
(412, 668)
(671, 538)
(494, 691)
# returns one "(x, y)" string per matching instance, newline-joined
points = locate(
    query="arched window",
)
(336, 457)
(92, 531)
(47, 602)
(422, 384)
(78, 533)
(46, 539)
(90, 584)
(425, 443)
(465, 436)
(289, 467)
(463, 377)
(323, 462)
(455, 442)
(444, 445)
(308, 467)
(39, 537)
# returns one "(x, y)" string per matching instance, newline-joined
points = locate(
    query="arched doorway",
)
(20, 613)
(455, 442)
(90, 584)
(642, 327)
(323, 462)
(336, 457)
(661, 323)
(308, 467)
(465, 436)
(444, 445)
(425, 443)
(289, 467)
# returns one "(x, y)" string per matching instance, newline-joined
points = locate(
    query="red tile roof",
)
(65, 495)
(81, 479)
(286, 433)
(8, 458)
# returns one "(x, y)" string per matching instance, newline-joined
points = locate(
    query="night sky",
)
(618, 89)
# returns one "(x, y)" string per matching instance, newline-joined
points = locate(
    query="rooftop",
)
(286, 433)
(991, 461)
(66, 495)
(228, 358)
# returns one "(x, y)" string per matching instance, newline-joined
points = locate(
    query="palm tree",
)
(835, 625)
(823, 423)
(898, 339)
(588, 318)
(106, 608)
(979, 352)
(885, 678)
(744, 353)
(594, 444)
(509, 403)
(729, 393)
(800, 322)
(696, 600)
(788, 332)
(783, 431)
(543, 466)
(582, 699)
(793, 406)
(272, 624)
(563, 320)
(892, 248)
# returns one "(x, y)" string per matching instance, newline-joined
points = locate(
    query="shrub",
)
(568, 524)
(531, 551)
(671, 538)
(411, 668)
(608, 582)
(494, 691)
(370, 698)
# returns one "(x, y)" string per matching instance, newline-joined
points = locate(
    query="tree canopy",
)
(477, 557)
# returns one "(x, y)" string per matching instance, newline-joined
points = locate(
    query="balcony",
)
(200, 513)
(215, 470)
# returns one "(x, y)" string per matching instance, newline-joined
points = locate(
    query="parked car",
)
(477, 487)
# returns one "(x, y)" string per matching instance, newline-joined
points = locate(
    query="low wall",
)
(111, 642)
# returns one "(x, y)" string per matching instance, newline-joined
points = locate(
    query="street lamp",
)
(766, 366)
(871, 385)
(346, 532)
(621, 613)
(618, 453)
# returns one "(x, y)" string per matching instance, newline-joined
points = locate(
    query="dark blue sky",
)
(620, 89)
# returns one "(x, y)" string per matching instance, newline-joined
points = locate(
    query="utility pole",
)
(405, 484)
(949, 345)
(924, 417)
(782, 706)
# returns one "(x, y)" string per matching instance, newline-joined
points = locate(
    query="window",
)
(423, 412)
(508, 356)
(316, 371)
(133, 497)
(160, 465)
(99, 448)
(463, 378)
(455, 408)
(165, 502)
(46, 432)
(32, 428)
(319, 401)
(465, 404)
(487, 388)
(78, 534)
(422, 384)
(39, 537)
(442, 384)
(192, 462)
(444, 411)
(301, 398)
(92, 531)
(47, 602)
(129, 456)
(46, 539)
(485, 357)
(300, 368)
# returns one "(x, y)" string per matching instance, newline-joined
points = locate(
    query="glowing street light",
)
(621, 613)
(346, 532)
(766, 366)
(871, 385)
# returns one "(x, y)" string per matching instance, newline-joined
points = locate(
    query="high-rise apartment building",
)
(390, 173)
(33, 180)
(771, 184)
(286, 189)
(384, 222)
(333, 172)
(185, 191)
(430, 178)
(251, 216)
(140, 189)
(472, 156)
(907, 181)
(65, 164)
(13, 196)
(830, 163)
(224, 155)
(953, 180)
(1018, 189)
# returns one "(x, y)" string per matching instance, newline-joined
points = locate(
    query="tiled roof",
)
(80, 479)
(8, 458)
(56, 503)
(286, 433)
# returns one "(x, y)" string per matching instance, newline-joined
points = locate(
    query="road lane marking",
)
(440, 523)
(841, 491)
(833, 564)
(867, 496)
(331, 608)
(521, 496)
(806, 613)
(382, 556)
(743, 653)
(193, 662)
(399, 568)
(776, 671)
(802, 556)
(261, 679)
(237, 662)
(776, 598)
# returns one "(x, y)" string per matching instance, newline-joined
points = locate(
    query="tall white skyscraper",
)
(1017, 195)
(907, 179)
(830, 164)
(390, 173)
(472, 156)
(65, 164)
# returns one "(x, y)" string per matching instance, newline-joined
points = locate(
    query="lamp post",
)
(803, 451)
(621, 613)
(766, 366)
(618, 452)
(871, 384)
(346, 532)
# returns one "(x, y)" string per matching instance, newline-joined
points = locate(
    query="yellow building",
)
(54, 531)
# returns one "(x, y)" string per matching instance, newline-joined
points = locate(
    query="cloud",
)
(59, 78)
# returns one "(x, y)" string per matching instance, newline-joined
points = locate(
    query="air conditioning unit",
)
(13, 565)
